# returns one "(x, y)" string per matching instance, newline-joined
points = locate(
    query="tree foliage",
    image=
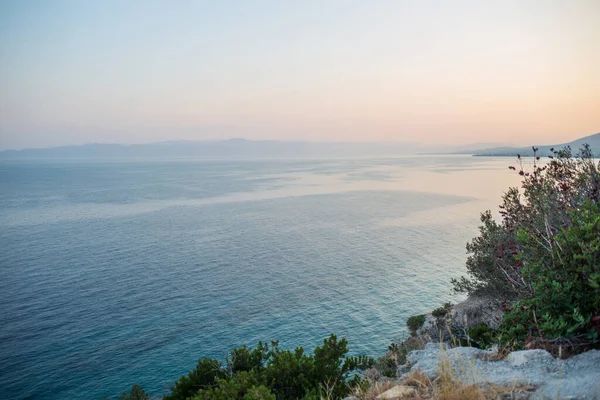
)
(268, 372)
(543, 257)
(205, 375)
(564, 272)
(136, 393)
(549, 194)
(415, 322)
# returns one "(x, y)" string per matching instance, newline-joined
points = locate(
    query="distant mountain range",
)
(277, 149)
(592, 140)
(231, 148)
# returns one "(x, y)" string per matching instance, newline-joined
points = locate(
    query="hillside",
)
(215, 149)
(592, 140)
(232, 148)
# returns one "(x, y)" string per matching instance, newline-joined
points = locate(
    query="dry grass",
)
(374, 390)
(455, 380)
(418, 380)
(448, 385)
(405, 346)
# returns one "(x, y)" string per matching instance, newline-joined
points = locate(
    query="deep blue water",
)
(114, 273)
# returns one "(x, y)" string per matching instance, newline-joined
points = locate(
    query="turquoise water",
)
(114, 273)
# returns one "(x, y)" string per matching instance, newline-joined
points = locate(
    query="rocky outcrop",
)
(471, 312)
(533, 374)
(478, 309)
(397, 393)
(575, 378)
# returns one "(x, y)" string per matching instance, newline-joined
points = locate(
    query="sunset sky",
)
(443, 72)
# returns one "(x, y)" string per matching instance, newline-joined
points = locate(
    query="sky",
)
(429, 72)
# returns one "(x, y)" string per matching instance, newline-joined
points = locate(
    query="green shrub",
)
(387, 366)
(243, 385)
(564, 272)
(481, 336)
(439, 312)
(268, 372)
(415, 322)
(543, 258)
(259, 393)
(204, 375)
(549, 193)
(136, 393)
(247, 359)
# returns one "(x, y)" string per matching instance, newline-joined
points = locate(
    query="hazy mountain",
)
(592, 140)
(227, 148)
(470, 148)
(277, 149)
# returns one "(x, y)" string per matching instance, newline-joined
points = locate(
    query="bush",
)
(136, 393)
(205, 375)
(439, 312)
(387, 365)
(247, 359)
(543, 258)
(415, 322)
(481, 336)
(550, 193)
(244, 386)
(564, 271)
(268, 373)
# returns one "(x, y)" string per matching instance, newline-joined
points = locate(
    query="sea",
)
(120, 272)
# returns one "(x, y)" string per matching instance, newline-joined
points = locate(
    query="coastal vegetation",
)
(533, 276)
(415, 322)
(541, 261)
(267, 372)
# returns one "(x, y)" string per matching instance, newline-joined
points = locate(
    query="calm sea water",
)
(114, 273)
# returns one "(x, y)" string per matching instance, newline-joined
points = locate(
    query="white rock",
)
(574, 378)
(396, 393)
(519, 358)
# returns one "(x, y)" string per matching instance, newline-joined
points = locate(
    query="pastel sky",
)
(454, 72)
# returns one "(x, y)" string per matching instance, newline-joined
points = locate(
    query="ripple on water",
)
(130, 273)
